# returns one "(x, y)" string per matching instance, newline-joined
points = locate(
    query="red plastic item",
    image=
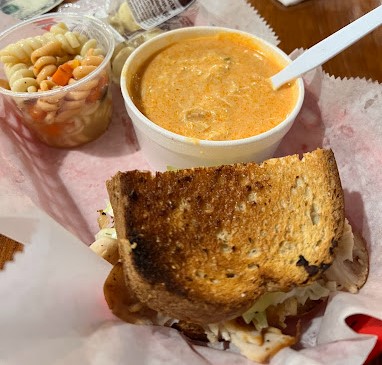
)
(368, 325)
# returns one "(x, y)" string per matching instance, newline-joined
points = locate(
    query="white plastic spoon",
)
(329, 47)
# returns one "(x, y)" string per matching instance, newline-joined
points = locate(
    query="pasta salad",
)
(49, 62)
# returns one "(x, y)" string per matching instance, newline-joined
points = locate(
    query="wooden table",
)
(302, 26)
(307, 23)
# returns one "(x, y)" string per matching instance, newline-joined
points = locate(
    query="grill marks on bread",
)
(202, 244)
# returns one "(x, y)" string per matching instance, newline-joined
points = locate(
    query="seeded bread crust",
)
(201, 245)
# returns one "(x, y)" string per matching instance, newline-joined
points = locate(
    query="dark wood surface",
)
(7, 249)
(303, 25)
(309, 22)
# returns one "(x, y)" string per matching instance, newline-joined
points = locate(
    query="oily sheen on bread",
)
(201, 245)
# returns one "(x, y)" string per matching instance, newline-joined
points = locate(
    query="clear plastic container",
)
(65, 116)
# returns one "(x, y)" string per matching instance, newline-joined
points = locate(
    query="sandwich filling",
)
(230, 254)
(258, 333)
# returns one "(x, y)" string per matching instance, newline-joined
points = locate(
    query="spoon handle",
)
(329, 47)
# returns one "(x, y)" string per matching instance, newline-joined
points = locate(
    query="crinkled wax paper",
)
(52, 308)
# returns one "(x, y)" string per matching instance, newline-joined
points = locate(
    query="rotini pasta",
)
(82, 71)
(50, 61)
(91, 59)
(25, 84)
(48, 105)
(51, 48)
(71, 42)
(91, 44)
(44, 61)
(75, 100)
(20, 78)
(47, 85)
(59, 28)
(20, 52)
(44, 68)
(34, 61)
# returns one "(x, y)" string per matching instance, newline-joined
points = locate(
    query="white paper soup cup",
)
(163, 148)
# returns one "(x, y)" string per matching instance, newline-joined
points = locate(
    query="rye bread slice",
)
(201, 245)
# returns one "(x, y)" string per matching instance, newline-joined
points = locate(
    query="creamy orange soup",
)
(214, 88)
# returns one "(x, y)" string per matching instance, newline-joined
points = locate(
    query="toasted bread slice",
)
(202, 244)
